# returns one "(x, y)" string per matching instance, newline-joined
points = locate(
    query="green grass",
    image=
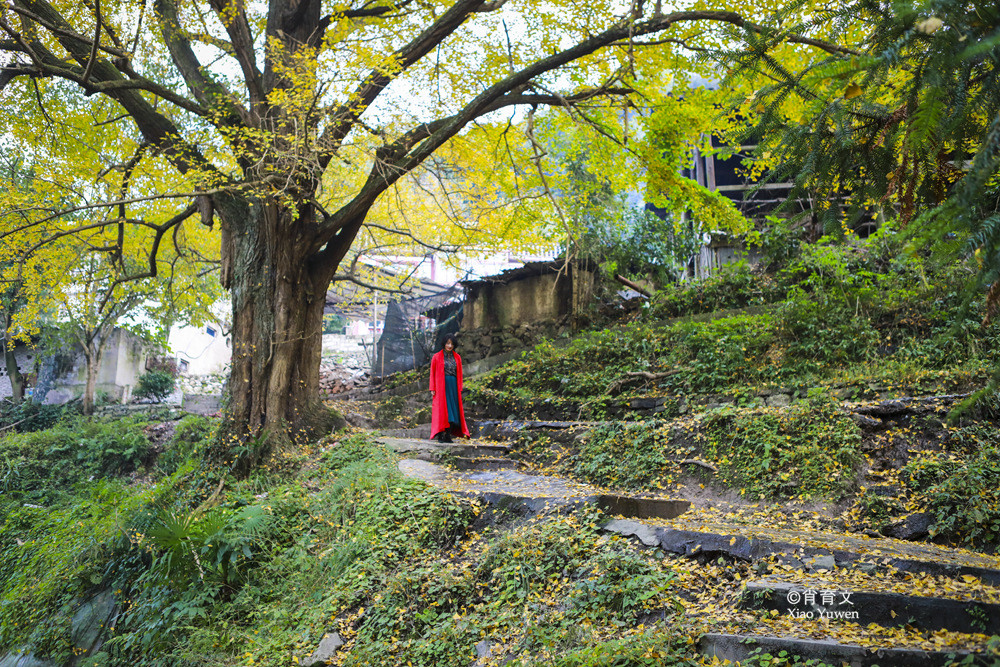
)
(840, 316)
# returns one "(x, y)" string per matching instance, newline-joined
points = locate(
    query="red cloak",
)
(439, 407)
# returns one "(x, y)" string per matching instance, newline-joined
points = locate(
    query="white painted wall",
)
(199, 352)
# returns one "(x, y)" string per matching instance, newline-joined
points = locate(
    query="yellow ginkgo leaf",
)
(929, 25)
(852, 91)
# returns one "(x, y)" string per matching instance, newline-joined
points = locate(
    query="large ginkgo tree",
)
(286, 121)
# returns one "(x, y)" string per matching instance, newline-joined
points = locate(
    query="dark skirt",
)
(451, 398)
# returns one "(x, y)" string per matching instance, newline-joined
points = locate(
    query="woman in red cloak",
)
(447, 415)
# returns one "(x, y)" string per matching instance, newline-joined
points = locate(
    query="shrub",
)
(28, 416)
(42, 464)
(961, 488)
(155, 385)
(734, 286)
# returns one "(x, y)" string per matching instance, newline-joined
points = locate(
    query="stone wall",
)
(476, 344)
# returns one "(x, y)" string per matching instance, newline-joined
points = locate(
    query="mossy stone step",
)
(864, 607)
(430, 450)
(535, 493)
(740, 648)
(485, 463)
(749, 544)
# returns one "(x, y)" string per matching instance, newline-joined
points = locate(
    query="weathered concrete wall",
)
(124, 361)
(527, 300)
(198, 351)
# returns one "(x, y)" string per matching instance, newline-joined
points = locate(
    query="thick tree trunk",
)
(278, 296)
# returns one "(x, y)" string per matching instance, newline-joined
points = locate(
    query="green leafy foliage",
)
(155, 385)
(905, 127)
(736, 285)
(29, 416)
(41, 465)
(810, 449)
(852, 313)
(960, 486)
(637, 244)
(626, 455)
(192, 435)
(261, 570)
(54, 556)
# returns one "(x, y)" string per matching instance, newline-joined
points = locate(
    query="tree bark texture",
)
(13, 372)
(90, 385)
(14, 375)
(278, 297)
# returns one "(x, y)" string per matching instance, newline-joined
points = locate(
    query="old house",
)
(62, 376)
(518, 306)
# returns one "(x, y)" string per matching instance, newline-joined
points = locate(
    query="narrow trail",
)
(844, 598)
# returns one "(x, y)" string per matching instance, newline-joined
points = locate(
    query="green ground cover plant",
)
(960, 486)
(854, 314)
(737, 285)
(65, 505)
(811, 450)
(209, 569)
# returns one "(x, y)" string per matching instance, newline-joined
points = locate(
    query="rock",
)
(484, 651)
(883, 409)
(741, 648)
(823, 563)
(864, 421)
(201, 404)
(17, 659)
(914, 527)
(779, 401)
(326, 650)
(89, 621)
(642, 403)
(646, 534)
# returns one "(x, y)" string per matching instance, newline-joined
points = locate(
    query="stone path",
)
(666, 523)
(479, 477)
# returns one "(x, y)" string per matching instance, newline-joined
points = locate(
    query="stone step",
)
(504, 490)
(642, 508)
(422, 432)
(431, 450)
(485, 463)
(740, 648)
(864, 607)
(799, 548)
(559, 431)
(535, 493)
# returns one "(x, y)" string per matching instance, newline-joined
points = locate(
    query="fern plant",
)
(211, 545)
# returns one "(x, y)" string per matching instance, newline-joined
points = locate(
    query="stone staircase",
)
(810, 612)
